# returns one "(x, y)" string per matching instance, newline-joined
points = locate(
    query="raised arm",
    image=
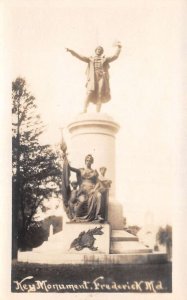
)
(116, 54)
(81, 57)
(74, 170)
(78, 174)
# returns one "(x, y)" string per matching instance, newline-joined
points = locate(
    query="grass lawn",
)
(148, 278)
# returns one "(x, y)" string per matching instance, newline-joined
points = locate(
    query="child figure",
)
(103, 186)
(104, 182)
(73, 200)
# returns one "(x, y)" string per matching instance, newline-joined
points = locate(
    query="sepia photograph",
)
(94, 146)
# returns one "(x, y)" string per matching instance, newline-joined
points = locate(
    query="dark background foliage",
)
(35, 167)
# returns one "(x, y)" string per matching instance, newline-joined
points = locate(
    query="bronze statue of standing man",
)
(98, 88)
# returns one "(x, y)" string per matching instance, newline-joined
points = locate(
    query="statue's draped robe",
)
(90, 205)
(87, 200)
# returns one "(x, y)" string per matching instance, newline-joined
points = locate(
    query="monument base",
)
(115, 247)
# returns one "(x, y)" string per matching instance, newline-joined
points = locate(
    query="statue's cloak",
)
(91, 83)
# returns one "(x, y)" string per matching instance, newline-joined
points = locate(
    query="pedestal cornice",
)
(93, 123)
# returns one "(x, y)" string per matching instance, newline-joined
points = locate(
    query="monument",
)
(93, 227)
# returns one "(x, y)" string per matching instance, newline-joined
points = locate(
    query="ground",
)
(148, 278)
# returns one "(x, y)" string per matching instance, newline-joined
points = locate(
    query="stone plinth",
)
(71, 232)
(62, 241)
(94, 133)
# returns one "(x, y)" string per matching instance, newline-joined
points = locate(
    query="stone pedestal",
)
(71, 231)
(94, 133)
(114, 247)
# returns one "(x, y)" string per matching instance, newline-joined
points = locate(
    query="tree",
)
(35, 170)
(164, 237)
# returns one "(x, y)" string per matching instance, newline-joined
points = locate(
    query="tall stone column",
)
(94, 133)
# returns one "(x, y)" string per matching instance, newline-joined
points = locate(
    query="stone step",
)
(57, 258)
(128, 247)
(122, 235)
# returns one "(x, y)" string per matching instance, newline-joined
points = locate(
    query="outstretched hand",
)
(69, 50)
(117, 44)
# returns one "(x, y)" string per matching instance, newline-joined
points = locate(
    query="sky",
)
(145, 84)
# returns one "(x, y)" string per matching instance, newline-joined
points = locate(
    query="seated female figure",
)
(88, 206)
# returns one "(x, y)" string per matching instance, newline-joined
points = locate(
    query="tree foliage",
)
(35, 169)
(164, 235)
